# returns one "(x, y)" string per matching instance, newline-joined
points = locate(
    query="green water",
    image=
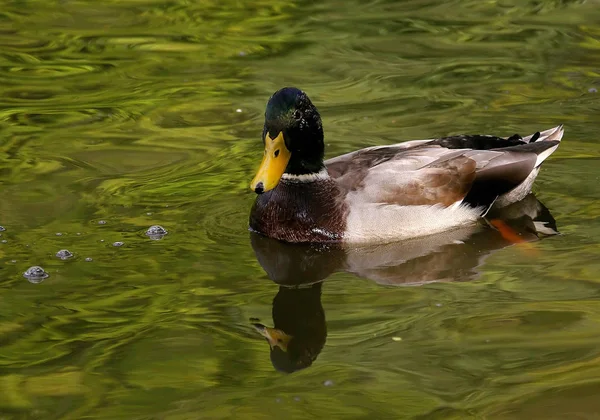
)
(136, 113)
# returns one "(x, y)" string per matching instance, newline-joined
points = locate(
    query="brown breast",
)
(301, 212)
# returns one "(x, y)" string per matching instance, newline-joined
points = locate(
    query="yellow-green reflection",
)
(143, 113)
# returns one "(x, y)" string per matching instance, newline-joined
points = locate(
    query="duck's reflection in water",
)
(300, 331)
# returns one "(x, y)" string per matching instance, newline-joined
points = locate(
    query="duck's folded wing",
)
(361, 160)
(421, 176)
(430, 173)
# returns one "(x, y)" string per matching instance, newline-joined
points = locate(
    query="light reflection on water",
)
(128, 113)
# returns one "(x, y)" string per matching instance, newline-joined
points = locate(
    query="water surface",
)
(119, 115)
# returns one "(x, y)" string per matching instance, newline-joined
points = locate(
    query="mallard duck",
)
(382, 193)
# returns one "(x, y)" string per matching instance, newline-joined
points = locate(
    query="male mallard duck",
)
(382, 193)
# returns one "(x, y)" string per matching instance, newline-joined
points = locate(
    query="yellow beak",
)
(273, 165)
(275, 337)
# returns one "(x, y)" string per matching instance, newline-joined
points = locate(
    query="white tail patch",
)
(544, 155)
(554, 133)
(519, 192)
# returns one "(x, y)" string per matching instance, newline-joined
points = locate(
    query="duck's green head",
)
(293, 139)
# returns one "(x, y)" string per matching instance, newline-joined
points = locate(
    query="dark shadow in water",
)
(300, 331)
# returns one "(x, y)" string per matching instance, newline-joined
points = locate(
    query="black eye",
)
(297, 115)
(276, 152)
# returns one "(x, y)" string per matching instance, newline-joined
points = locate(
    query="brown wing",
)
(356, 164)
(350, 170)
(426, 176)
(441, 183)
(425, 172)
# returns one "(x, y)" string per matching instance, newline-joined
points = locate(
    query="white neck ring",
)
(316, 176)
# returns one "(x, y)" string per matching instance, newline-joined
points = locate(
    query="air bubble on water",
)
(2, 228)
(78, 233)
(149, 214)
(328, 382)
(59, 234)
(102, 222)
(156, 232)
(238, 110)
(88, 259)
(593, 90)
(118, 243)
(64, 254)
(4, 241)
(35, 274)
